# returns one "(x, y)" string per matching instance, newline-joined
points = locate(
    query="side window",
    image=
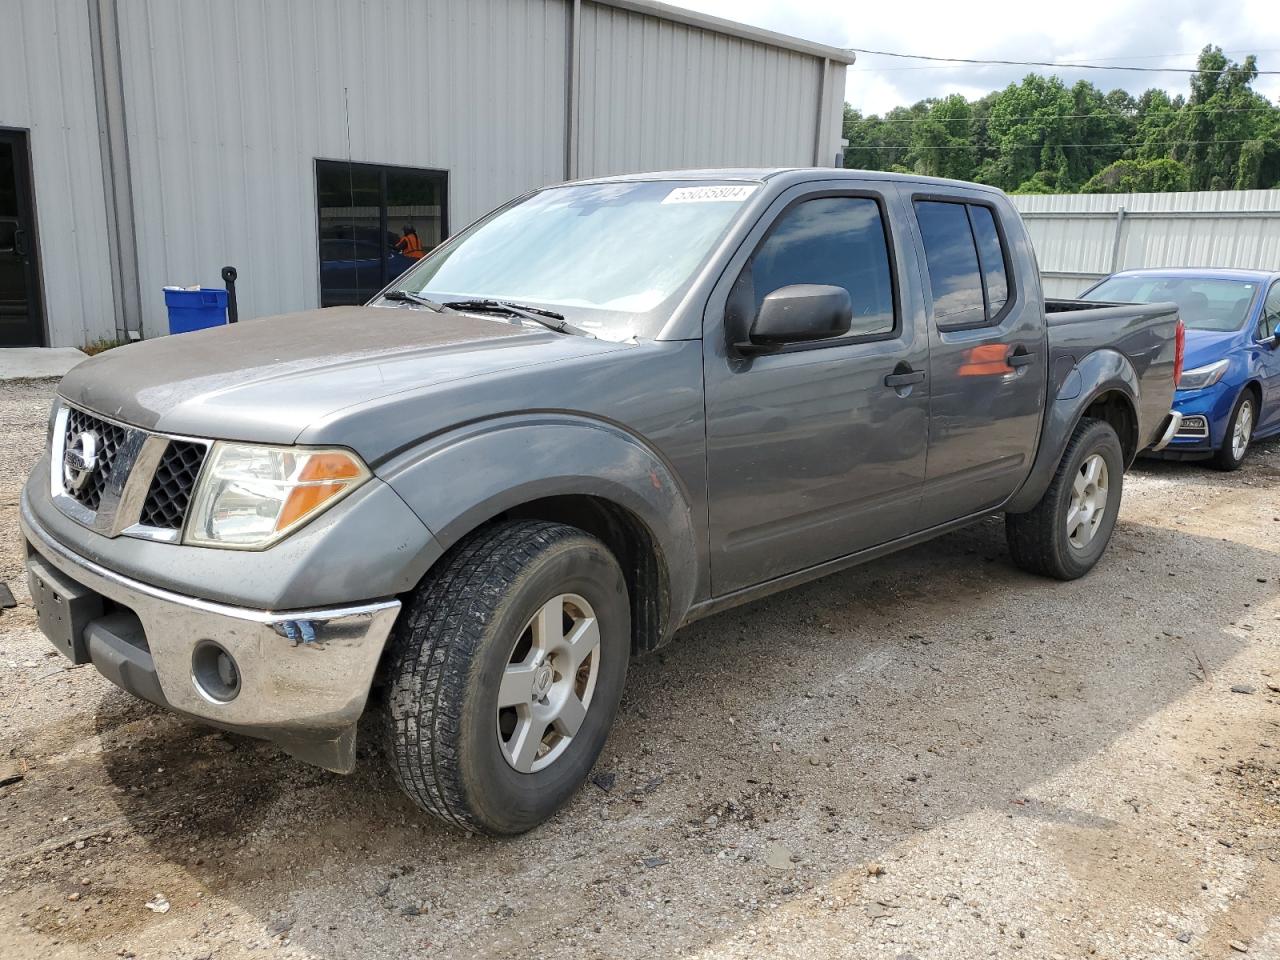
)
(839, 241)
(992, 256)
(966, 262)
(1270, 313)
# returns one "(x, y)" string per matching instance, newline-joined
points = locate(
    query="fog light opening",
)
(214, 672)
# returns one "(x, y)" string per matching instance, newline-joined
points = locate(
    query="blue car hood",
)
(1207, 346)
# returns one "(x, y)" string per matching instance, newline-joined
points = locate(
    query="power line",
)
(1040, 146)
(1049, 63)
(948, 66)
(1061, 116)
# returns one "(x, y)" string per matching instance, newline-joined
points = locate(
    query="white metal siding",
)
(230, 104)
(1075, 235)
(657, 95)
(46, 88)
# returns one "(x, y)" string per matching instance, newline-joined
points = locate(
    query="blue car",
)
(1229, 394)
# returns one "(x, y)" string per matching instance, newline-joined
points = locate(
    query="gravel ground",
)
(933, 756)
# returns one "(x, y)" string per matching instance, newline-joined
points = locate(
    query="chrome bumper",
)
(304, 675)
(1170, 431)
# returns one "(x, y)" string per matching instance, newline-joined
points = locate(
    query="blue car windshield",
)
(1220, 305)
(612, 257)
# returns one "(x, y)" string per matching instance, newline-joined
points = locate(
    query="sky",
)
(1150, 33)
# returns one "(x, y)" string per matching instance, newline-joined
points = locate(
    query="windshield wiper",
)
(404, 296)
(548, 318)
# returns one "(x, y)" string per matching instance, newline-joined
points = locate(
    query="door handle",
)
(1020, 358)
(20, 242)
(896, 380)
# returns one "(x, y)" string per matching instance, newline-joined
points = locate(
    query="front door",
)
(812, 455)
(21, 319)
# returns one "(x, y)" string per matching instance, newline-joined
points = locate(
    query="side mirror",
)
(800, 313)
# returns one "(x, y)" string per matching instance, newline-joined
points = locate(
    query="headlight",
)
(249, 496)
(1202, 377)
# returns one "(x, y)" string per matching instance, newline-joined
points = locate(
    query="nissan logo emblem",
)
(80, 460)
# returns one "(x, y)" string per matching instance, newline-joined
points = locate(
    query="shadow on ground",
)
(842, 717)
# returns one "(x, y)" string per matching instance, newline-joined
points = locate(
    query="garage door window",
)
(375, 222)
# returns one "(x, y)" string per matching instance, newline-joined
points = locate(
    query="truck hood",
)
(267, 380)
(1208, 346)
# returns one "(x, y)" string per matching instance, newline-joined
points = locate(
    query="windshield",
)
(612, 257)
(1220, 305)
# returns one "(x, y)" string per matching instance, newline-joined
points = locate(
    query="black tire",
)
(448, 653)
(1038, 539)
(1225, 458)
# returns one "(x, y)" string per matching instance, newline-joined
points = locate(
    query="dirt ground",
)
(933, 756)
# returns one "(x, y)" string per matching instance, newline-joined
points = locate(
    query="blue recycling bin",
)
(196, 309)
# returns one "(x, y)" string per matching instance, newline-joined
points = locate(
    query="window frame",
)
(886, 227)
(1012, 291)
(1273, 290)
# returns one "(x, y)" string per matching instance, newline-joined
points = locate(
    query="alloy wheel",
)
(1243, 430)
(548, 683)
(1088, 501)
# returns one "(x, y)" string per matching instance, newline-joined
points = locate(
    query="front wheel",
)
(1239, 434)
(505, 674)
(1066, 533)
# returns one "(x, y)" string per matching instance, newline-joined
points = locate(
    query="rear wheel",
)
(1239, 433)
(1067, 532)
(505, 675)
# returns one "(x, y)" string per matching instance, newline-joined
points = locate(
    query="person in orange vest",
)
(409, 245)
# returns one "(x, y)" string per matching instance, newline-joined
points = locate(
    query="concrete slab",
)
(37, 363)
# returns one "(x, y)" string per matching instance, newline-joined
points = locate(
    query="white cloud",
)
(1142, 32)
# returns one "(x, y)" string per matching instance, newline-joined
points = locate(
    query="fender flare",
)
(459, 480)
(1101, 372)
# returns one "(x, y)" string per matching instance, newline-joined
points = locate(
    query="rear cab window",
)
(840, 241)
(966, 260)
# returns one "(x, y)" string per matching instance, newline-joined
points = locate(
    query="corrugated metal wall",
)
(658, 94)
(230, 103)
(46, 88)
(1083, 237)
(222, 108)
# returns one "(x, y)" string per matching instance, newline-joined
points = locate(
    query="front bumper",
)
(1205, 414)
(304, 676)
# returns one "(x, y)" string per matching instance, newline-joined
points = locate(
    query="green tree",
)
(1039, 136)
(1140, 176)
(942, 141)
(1029, 123)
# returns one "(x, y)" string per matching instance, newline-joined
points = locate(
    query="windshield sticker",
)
(732, 192)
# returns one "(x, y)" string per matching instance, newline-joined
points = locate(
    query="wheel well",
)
(1116, 409)
(1257, 396)
(631, 542)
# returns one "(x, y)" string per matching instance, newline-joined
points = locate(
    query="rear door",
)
(988, 351)
(811, 454)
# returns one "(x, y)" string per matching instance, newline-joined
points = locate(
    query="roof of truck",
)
(799, 174)
(1201, 273)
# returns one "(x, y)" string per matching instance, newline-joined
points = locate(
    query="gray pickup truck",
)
(603, 411)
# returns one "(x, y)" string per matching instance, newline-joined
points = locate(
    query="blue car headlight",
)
(1202, 377)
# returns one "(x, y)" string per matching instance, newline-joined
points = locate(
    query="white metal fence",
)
(1080, 238)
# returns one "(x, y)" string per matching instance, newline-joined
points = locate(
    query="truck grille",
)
(110, 438)
(137, 483)
(175, 478)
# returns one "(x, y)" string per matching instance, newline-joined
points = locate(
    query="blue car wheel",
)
(1235, 444)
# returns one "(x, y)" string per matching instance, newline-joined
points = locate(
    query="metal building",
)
(1080, 238)
(151, 142)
